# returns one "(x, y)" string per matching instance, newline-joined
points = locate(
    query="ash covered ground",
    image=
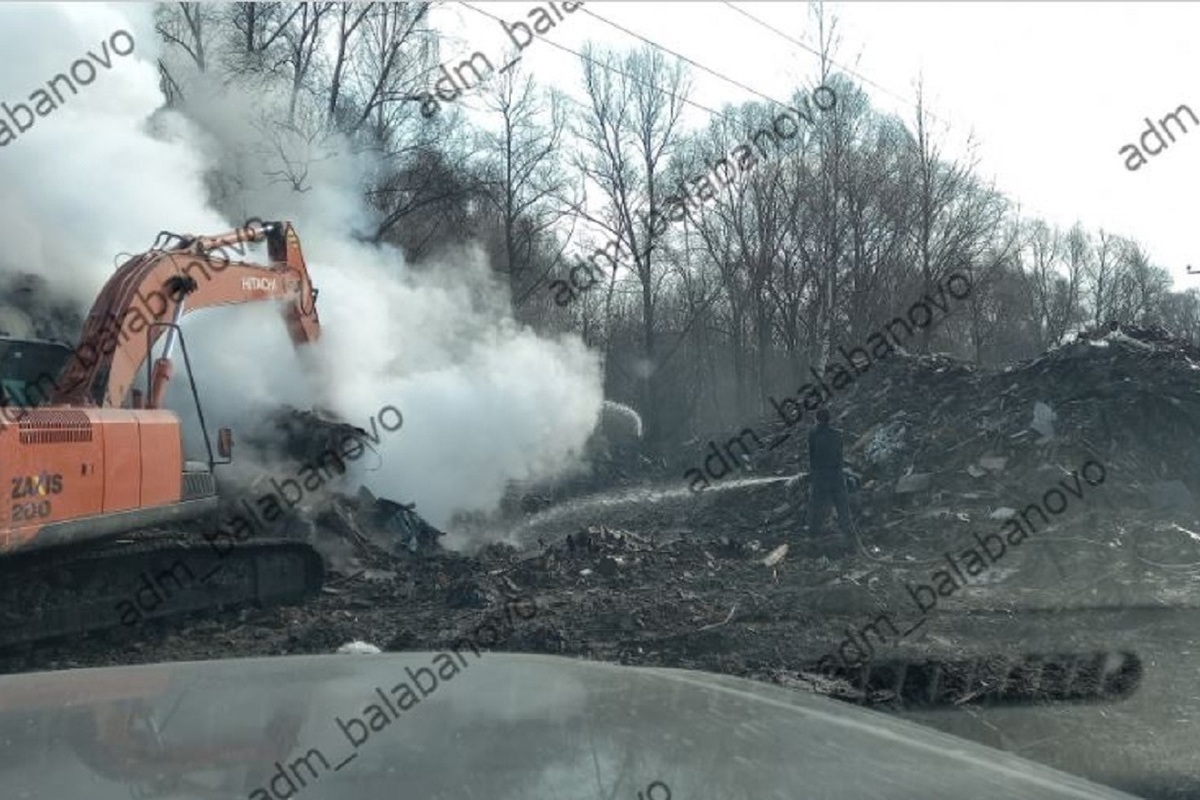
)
(640, 570)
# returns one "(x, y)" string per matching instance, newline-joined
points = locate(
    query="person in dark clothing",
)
(828, 480)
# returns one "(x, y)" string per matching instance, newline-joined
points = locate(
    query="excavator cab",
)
(29, 370)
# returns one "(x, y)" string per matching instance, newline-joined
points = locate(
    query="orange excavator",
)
(107, 523)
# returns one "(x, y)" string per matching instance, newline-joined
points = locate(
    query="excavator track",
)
(123, 583)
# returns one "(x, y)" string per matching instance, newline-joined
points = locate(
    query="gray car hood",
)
(494, 726)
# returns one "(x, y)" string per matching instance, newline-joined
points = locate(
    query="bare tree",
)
(1078, 247)
(387, 67)
(828, 224)
(303, 39)
(1143, 286)
(957, 219)
(744, 235)
(184, 28)
(256, 31)
(1103, 270)
(183, 25)
(350, 20)
(628, 134)
(1045, 250)
(523, 179)
(1180, 313)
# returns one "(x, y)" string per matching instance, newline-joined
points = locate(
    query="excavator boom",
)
(152, 291)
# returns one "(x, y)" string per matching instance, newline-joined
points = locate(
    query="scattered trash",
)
(993, 463)
(777, 555)
(1043, 420)
(886, 443)
(357, 648)
(379, 575)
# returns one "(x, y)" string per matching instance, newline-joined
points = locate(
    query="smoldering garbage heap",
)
(928, 430)
(351, 528)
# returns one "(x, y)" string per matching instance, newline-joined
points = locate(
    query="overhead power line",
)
(860, 76)
(682, 57)
(817, 53)
(608, 67)
(708, 301)
(856, 74)
(723, 115)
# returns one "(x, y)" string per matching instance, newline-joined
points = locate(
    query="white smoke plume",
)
(484, 400)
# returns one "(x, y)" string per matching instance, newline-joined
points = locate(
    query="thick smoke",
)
(484, 400)
(87, 180)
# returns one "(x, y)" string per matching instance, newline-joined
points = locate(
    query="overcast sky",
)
(1050, 91)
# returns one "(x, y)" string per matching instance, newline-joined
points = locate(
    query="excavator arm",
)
(149, 294)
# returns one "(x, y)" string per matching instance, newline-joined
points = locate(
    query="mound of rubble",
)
(299, 435)
(942, 452)
(349, 529)
(1128, 398)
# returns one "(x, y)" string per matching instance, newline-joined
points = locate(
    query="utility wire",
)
(906, 100)
(713, 296)
(656, 45)
(610, 68)
(817, 53)
(682, 57)
(720, 75)
(860, 76)
(715, 73)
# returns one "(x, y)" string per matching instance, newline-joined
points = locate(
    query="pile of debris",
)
(929, 431)
(287, 433)
(347, 529)
(379, 523)
(1124, 397)
(1154, 334)
(609, 550)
